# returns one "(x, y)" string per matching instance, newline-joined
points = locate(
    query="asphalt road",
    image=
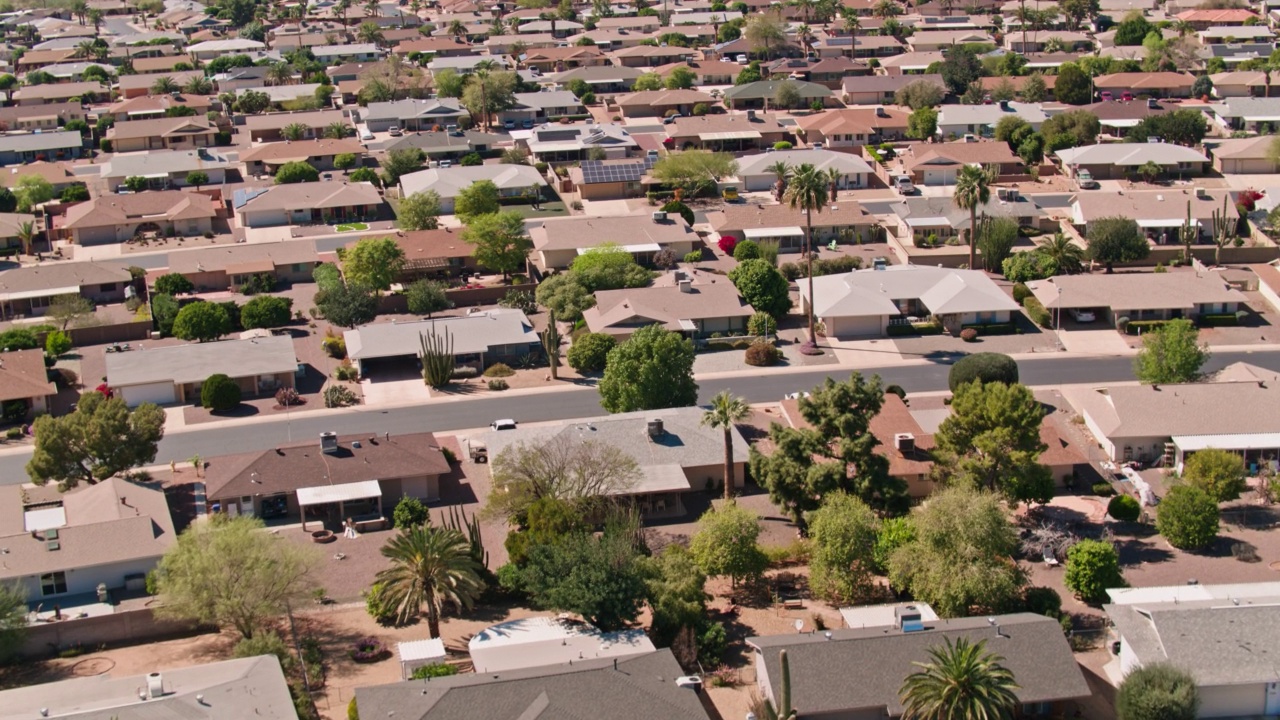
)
(584, 402)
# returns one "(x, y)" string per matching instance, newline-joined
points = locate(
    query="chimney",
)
(329, 443)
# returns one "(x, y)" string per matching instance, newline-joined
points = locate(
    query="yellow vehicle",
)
(730, 194)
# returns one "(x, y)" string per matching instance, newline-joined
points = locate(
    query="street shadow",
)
(240, 411)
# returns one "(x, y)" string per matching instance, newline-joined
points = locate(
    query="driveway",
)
(1102, 341)
(394, 384)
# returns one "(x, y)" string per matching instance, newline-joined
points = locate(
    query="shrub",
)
(699, 109)
(790, 271)
(336, 396)
(410, 512)
(712, 644)
(369, 650)
(263, 643)
(746, 250)
(761, 323)
(1043, 601)
(836, 265)
(379, 608)
(762, 354)
(1093, 566)
(1188, 517)
(464, 372)
(782, 145)
(13, 433)
(57, 343)
(1124, 508)
(1245, 552)
(1037, 312)
(969, 335)
(1158, 691)
(353, 713)
(693, 257)
(590, 351)
(726, 244)
(896, 390)
(985, 367)
(1122, 323)
(679, 208)
(346, 372)
(219, 393)
(499, 370)
(498, 385)
(1103, 489)
(1021, 292)
(335, 346)
(434, 670)
(288, 397)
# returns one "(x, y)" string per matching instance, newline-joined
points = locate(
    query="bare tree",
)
(564, 467)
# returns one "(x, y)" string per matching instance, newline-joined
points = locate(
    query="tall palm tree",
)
(805, 6)
(371, 8)
(962, 682)
(280, 73)
(725, 411)
(341, 7)
(337, 130)
(457, 29)
(782, 172)
(430, 566)
(294, 131)
(887, 9)
(481, 74)
(95, 16)
(198, 86)
(973, 190)
(163, 86)
(369, 32)
(808, 192)
(833, 177)
(852, 23)
(85, 49)
(1066, 256)
(26, 236)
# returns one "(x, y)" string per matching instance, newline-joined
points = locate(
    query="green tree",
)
(992, 439)
(763, 287)
(681, 78)
(963, 680)
(501, 243)
(807, 191)
(1116, 240)
(399, 163)
(1158, 691)
(1183, 127)
(1133, 30)
(546, 520)
(13, 621)
(431, 567)
(692, 169)
(568, 297)
(1034, 88)
(650, 371)
(68, 310)
(920, 94)
(57, 343)
(590, 352)
(1171, 354)
(346, 161)
(164, 85)
(585, 474)
(922, 123)
(1063, 256)
(726, 543)
(1093, 566)
(133, 183)
(219, 393)
(1220, 473)
(252, 102)
(198, 178)
(478, 198)
(603, 578)
(165, 310)
(1188, 517)
(373, 263)
(996, 238)
(266, 311)
(1077, 11)
(725, 411)
(32, 191)
(973, 191)
(1072, 85)
(764, 33)
(100, 439)
(294, 132)
(489, 93)
(347, 305)
(297, 171)
(201, 321)
(648, 81)
(449, 83)
(222, 573)
(787, 95)
(893, 533)
(1008, 125)
(960, 560)
(676, 595)
(842, 536)
(426, 297)
(960, 69)
(420, 211)
(174, 284)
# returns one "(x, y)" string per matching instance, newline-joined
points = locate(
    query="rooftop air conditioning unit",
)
(659, 216)
(655, 428)
(329, 442)
(908, 619)
(904, 442)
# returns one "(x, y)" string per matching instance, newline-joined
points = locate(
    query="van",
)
(505, 424)
(903, 184)
(742, 59)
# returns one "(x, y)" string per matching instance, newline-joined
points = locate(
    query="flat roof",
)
(197, 361)
(343, 492)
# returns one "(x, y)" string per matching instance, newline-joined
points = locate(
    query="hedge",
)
(1138, 327)
(1217, 320)
(1037, 312)
(914, 329)
(993, 328)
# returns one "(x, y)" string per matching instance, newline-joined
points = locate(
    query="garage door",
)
(158, 393)
(854, 327)
(936, 177)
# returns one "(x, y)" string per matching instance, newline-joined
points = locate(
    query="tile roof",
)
(740, 217)
(56, 173)
(1173, 205)
(1139, 81)
(944, 291)
(823, 160)
(958, 153)
(138, 207)
(886, 83)
(23, 375)
(1135, 291)
(1130, 154)
(54, 276)
(167, 127)
(310, 118)
(301, 150)
(648, 98)
(163, 163)
(213, 259)
(424, 246)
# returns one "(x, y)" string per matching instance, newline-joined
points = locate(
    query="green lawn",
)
(352, 227)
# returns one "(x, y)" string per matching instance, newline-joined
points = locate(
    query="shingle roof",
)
(1138, 81)
(136, 207)
(23, 375)
(1212, 408)
(44, 141)
(196, 361)
(60, 90)
(822, 160)
(587, 232)
(331, 194)
(958, 153)
(769, 88)
(212, 259)
(448, 182)
(886, 83)
(1169, 206)
(1218, 643)
(736, 218)
(54, 276)
(1130, 154)
(665, 305)
(990, 114)
(1135, 291)
(162, 163)
(301, 150)
(944, 291)
(161, 127)
(476, 333)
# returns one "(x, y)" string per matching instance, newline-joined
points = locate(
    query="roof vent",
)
(155, 685)
(329, 442)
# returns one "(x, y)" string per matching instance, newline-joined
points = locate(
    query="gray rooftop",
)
(1134, 154)
(1218, 642)
(1249, 108)
(475, 333)
(162, 163)
(444, 108)
(197, 361)
(1135, 291)
(42, 141)
(990, 114)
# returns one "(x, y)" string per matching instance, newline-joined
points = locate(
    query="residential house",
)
(1244, 156)
(1160, 214)
(313, 203)
(726, 132)
(74, 71)
(1031, 646)
(270, 127)
(29, 290)
(237, 79)
(443, 144)
(465, 64)
(164, 169)
(1069, 41)
(865, 302)
(1239, 83)
(708, 72)
(647, 56)
(648, 24)
(1019, 83)
(601, 79)
(433, 254)
(437, 46)
(117, 218)
(356, 52)
(611, 179)
(318, 153)
(557, 691)
(658, 103)
(513, 181)
(57, 174)
(540, 641)
(559, 240)
(412, 114)
(761, 94)
(881, 89)
(11, 229)
(167, 64)
(51, 93)
(1154, 84)
(1246, 113)
(1120, 161)
(844, 221)
(831, 72)
(754, 172)
(36, 146)
(541, 107)
(940, 163)
(694, 303)
(980, 120)
(1230, 34)
(1140, 296)
(1226, 17)
(151, 107)
(565, 143)
(24, 382)
(174, 374)
(226, 267)
(1117, 116)
(44, 117)
(281, 94)
(933, 219)
(911, 63)
(940, 40)
(166, 133)
(246, 687)
(559, 59)
(479, 339)
(876, 46)
(206, 51)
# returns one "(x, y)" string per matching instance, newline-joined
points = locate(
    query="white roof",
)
(1126, 154)
(448, 182)
(1192, 593)
(541, 641)
(822, 160)
(872, 616)
(1232, 441)
(474, 333)
(344, 492)
(413, 650)
(944, 291)
(732, 135)
(44, 519)
(226, 45)
(753, 233)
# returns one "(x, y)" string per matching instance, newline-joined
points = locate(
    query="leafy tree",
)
(1072, 85)
(449, 83)
(1077, 11)
(165, 310)
(297, 171)
(8, 203)
(366, 175)
(197, 178)
(836, 454)
(786, 95)
(1034, 89)
(694, 168)
(922, 123)
(1187, 517)
(133, 183)
(963, 680)
(201, 321)
(219, 393)
(681, 78)
(725, 411)
(609, 267)
(346, 161)
(960, 69)
(1220, 473)
(893, 533)
(488, 93)
(603, 578)
(581, 473)
(676, 594)
(373, 263)
(992, 439)
(983, 367)
(648, 81)
(478, 198)
(399, 163)
(13, 621)
(1008, 125)
(842, 549)
(1202, 87)
(252, 102)
(1158, 691)
(726, 543)
(1183, 127)
(502, 245)
(1093, 566)
(1133, 30)
(546, 520)
(174, 284)
(765, 32)
(567, 297)
(18, 339)
(920, 94)
(590, 352)
(222, 573)
(1071, 129)
(431, 567)
(100, 439)
(1116, 240)
(67, 310)
(959, 560)
(266, 311)
(348, 305)
(650, 371)
(31, 191)
(426, 297)
(57, 343)
(1171, 354)
(420, 211)
(763, 287)
(996, 238)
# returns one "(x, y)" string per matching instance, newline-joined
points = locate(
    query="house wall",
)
(699, 474)
(127, 627)
(1225, 701)
(722, 324)
(185, 142)
(423, 487)
(271, 218)
(610, 191)
(85, 580)
(1245, 166)
(249, 386)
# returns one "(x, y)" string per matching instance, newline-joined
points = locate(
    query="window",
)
(53, 583)
(107, 287)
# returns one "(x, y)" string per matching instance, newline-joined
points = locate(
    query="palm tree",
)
(371, 8)
(805, 6)
(1150, 171)
(963, 682)
(887, 9)
(808, 192)
(337, 130)
(369, 32)
(1054, 44)
(163, 86)
(805, 35)
(85, 49)
(481, 73)
(80, 9)
(95, 17)
(724, 412)
(26, 236)
(341, 7)
(833, 177)
(429, 566)
(852, 23)
(782, 172)
(198, 86)
(280, 73)
(294, 131)
(973, 190)
(457, 29)
(1066, 256)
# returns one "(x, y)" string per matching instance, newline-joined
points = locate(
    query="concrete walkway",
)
(1104, 341)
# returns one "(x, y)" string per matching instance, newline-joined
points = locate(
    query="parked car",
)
(1126, 96)
(903, 184)
(742, 59)
(505, 424)
(509, 124)
(1086, 181)
(395, 131)
(526, 124)
(730, 194)
(1083, 316)
(651, 154)
(795, 395)
(366, 136)
(671, 119)
(1106, 96)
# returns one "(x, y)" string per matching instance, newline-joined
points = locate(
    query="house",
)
(761, 94)
(1239, 83)
(412, 114)
(1159, 214)
(44, 117)
(237, 79)
(981, 120)
(1231, 411)
(227, 267)
(59, 93)
(437, 46)
(753, 170)
(830, 72)
(479, 339)
(1117, 116)
(465, 64)
(245, 687)
(443, 144)
(174, 374)
(270, 127)
(1120, 161)
(559, 240)
(433, 253)
(1268, 282)
(164, 169)
(355, 52)
(559, 59)
(865, 302)
(280, 94)
(647, 56)
(324, 203)
(674, 451)
(1246, 113)
(540, 641)
(34, 146)
(1228, 34)
(601, 78)
(855, 127)
(562, 143)
(707, 72)
(1215, 633)
(940, 163)
(941, 40)
(132, 86)
(1226, 17)
(24, 380)
(57, 174)
(589, 686)
(657, 103)
(152, 107)
(881, 89)
(697, 304)
(60, 546)
(206, 51)
(911, 63)
(611, 179)
(1031, 646)
(540, 107)
(117, 218)
(513, 181)
(845, 221)
(1154, 84)
(161, 64)
(166, 133)
(318, 153)
(726, 132)
(1069, 41)
(28, 290)
(874, 46)
(938, 218)
(1141, 296)
(1244, 156)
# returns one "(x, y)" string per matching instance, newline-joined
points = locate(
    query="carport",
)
(356, 492)
(734, 140)
(787, 237)
(1259, 450)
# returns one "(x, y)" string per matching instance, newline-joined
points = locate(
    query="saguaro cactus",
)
(551, 344)
(437, 358)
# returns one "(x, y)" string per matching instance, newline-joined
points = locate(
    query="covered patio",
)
(1260, 450)
(363, 499)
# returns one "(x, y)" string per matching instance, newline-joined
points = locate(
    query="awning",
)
(1121, 123)
(284, 161)
(644, 247)
(345, 492)
(432, 649)
(1233, 441)
(1165, 222)
(754, 233)
(688, 325)
(41, 292)
(43, 519)
(657, 478)
(735, 135)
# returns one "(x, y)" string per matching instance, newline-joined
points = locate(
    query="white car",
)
(366, 136)
(507, 424)
(795, 395)
(903, 185)
(1083, 316)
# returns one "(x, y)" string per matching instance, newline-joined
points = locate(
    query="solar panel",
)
(597, 171)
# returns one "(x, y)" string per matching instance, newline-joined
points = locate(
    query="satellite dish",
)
(799, 624)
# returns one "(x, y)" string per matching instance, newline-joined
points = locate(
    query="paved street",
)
(472, 413)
